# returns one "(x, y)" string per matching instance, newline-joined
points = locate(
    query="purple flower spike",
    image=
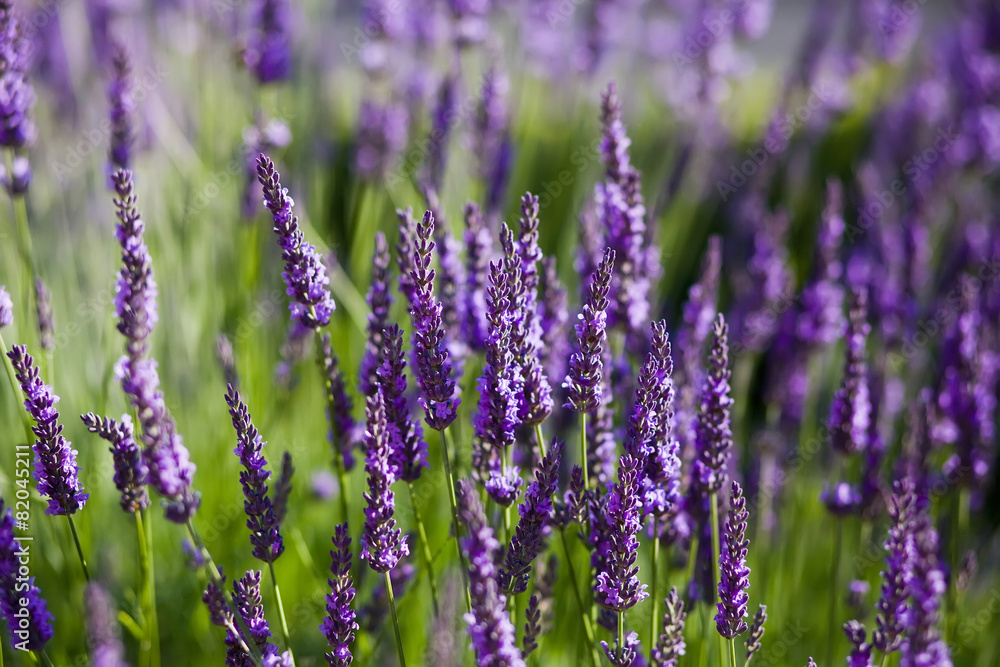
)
(16, 95)
(55, 460)
(536, 396)
(382, 545)
(861, 652)
(122, 106)
(532, 627)
(583, 382)
(261, 518)
(734, 575)
(661, 482)
(433, 363)
(624, 656)
(269, 50)
(305, 274)
(249, 604)
(714, 437)
(409, 448)
(20, 599)
(850, 413)
(340, 623)
(344, 432)
(891, 606)
(43, 311)
(535, 511)
(490, 628)
(135, 288)
(103, 635)
(6, 308)
(923, 644)
(130, 470)
(822, 318)
(379, 300)
(618, 587)
(670, 646)
(478, 247)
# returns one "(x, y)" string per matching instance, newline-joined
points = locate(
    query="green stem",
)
(428, 560)
(587, 629)
(621, 633)
(540, 438)
(454, 514)
(715, 565)
(583, 449)
(24, 236)
(79, 549)
(16, 386)
(338, 459)
(395, 620)
(44, 658)
(834, 592)
(732, 652)
(652, 588)
(281, 612)
(151, 574)
(149, 647)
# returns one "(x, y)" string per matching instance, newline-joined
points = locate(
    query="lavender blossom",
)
(407, 436)
(535, 511)
(17, 129)
(249, 605)
(850, 413)
(583, 381)
(444, 117)
(536, 395)
(492, 633)
(261, 518)
(6, 308)
(756, 631)
(269, 50)
(404, 254)
(135, 287)
(891, 606)
(344, 433)
(532, 627)
(713, 435)
(20, 599)
(661, 480)
(305, 274)
(130, 470)
(43, 312)
(822, 319)
(56, 471)
(340, 623)
(922, 644)
(450, 281)
(433, 364)
(861, 652)
(618, 587)
(103, 635)
(734, 575)
(382, 545)
(379, 300)
(122, 106)
(670, 645)
(478, 247)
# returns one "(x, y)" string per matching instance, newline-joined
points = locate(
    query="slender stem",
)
(147, 652)
(16, 386)
(715, 563)
(587, 629)
(395, 620)
(45, 659)
(79, 549)
(541, 438)
(621, 633)
(24, 236)
(151, 574)
(338, 459)
(583, 450)
(428, 559)
(885, 660)
(732, 652)
(834, 592)
(652, 588)
(281, 611)
(454, 514)
(961, 523)
(692, 557)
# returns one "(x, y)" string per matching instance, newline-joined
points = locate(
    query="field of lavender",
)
(549, 332)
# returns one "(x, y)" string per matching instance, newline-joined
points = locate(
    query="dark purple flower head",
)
(404, 254)
(850, 413)
(713, 435)
(269, 50)
(340, 623)
(344, 432)
(891, 606)
(382, 544)
(618, 587)
(503, 483)
(135, 289)
(304, 274)
(661, 482)
(478, 248)
(923, 644)
(408, 445)
(532, 627)
(535, 511)
(433, 363)
(536, 395)
(55, 460)
(583, 382)
(670, 646)
(122, 106)
(249, 604)
(492, 633)
(861, 652)
(379, 300)
(20, 599)
(6, 308)
(842, 499)
(130, 470)
(734, 575)
(627, 655)
(261, 518)
(756, 631)
(103, 635)
(16, 95)
(449, 283)
(43, 311)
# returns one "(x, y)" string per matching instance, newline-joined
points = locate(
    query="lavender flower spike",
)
(130, 469)
(20, 599)
(344, 432)
(536, 395)
(379, 300)
(433, 364)
(618, 587)
(103, 634)
(122, 106)
(55, 460)
(923, 644)
(734, 575)
(492, 633)
(43, 311)
(340, 623)
(850, 413)
(891, 606)
(269, 51)
(409, 448)
(713, 435)
(381, 543)
(305, 274)
(583, 381)
(6, 308)
(670, 646)
(135, 287)
(261, 518)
